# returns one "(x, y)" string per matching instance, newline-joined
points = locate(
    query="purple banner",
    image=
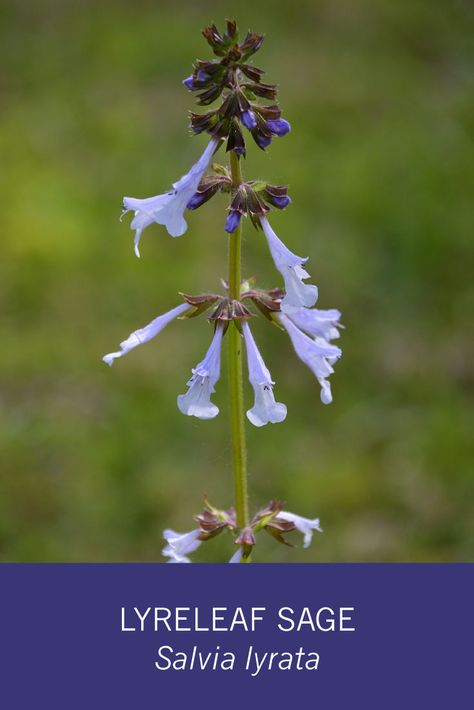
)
(205, 636)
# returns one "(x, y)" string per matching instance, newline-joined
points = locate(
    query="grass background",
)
(96, 462)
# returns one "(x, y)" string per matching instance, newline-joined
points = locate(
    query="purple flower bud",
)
(279, 202)
(248, 119)
(279, 128)
(239, 150)
(232, 221)
(261, 140)
(189, 83)
(198, 199)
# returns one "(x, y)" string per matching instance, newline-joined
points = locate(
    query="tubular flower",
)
(237, 556)
(304, 525)
(197, 400)
(142, 335)
(265, 409)
(168, 209)
(318, 356)
(318, 323)
(180, 545)
(290, 267)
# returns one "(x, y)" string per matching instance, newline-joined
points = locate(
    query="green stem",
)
(237, 421)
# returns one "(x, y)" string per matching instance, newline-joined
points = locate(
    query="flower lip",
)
(197, 400)
(180, 545)
(304, 525)
(317, 355)
(142, 335)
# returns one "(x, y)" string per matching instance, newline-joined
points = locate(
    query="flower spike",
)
(265, 409)
(290, 267)
(236, 103)
(197, 400)
(168, 209)
(142, 335)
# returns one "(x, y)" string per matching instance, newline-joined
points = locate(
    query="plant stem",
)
(237, 421)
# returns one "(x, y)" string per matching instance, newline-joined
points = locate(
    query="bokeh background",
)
(96, 462)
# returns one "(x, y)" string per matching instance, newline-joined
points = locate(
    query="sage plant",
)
(244, 105)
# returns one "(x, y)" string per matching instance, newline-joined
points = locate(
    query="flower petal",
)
(290, 267)
(304, 525)
(237, 556)
(180, 545)
(142, 335)
(318, 356)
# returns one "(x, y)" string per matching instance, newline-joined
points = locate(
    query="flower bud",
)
(279, 128)
(233, 221)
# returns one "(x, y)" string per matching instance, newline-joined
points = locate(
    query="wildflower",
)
(304, 525)
(318, 356)
(180, 545)
(290, 267)
(168, 209)
(197, 401)
(318, 323)
(265, 409)
(142, 335)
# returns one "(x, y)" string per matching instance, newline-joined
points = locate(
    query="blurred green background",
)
(96, 462)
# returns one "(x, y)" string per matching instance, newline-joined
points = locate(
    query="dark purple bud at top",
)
(198, 199)
(248, 119)
(279, 128)
(232, 221)
(189, 83)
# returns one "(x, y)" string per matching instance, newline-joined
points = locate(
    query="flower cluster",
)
(212, 521)
(240, 86)
(310, 331)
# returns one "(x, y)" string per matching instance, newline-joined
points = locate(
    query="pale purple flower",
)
(265, 409)
(197, 400)
(318, 356)
(304, 525)
(290, 267)
(318, 323)
(237, 556)
(142, 335)
(168, 209)
(180, 545)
